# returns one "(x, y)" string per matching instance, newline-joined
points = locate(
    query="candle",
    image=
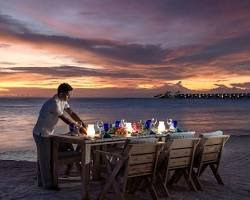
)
(129, 129)
(91, 130)
(161, 127)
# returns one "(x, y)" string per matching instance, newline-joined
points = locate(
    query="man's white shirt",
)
(49, 115)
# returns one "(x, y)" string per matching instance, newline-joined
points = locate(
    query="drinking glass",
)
(117, 124)
(175, 123)
(154, 122)
(99, 125)
(123, 123)
(106, 127)
(142, 126)
(71, 127)
(148, 124)
(169, 122)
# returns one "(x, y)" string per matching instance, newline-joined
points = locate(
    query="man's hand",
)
(83, 130)
(75, 117)
(82, 124)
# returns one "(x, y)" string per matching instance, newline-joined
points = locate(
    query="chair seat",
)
(67, 154)
(69, 157)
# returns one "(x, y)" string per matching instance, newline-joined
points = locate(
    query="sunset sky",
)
(116, 48)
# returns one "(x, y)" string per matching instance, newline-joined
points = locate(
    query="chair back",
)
(181, 153)
(210, 149)
(142, 159)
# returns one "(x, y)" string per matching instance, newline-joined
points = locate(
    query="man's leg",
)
(45, 162)
(39, 178)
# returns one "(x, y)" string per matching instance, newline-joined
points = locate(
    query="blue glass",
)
(175, 123)
(106, 127)
(117, 124)
(148, 124)
(71, 127)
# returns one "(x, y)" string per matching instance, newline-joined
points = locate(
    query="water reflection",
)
(18, 116)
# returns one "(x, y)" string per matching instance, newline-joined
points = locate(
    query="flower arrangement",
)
(137, 127)
(121, 131)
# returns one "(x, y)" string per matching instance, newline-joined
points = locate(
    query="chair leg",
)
(163, 186)
(152, 190)
(216, 174)
(202, 170)
(196, 181)
(176, 177)
(120, 194)
(111, 179)
(190, 181)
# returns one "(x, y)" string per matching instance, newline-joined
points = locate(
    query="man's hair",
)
(64, 88)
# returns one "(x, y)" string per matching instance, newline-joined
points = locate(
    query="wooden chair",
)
(209, 153)
(178, 157)
(135, 166)
(63, 158)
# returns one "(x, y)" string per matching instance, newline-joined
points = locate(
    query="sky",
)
(118, 48)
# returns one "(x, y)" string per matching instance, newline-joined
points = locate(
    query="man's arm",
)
(66, 120)
(75, 117)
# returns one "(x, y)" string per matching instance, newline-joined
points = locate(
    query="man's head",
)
(63, 91)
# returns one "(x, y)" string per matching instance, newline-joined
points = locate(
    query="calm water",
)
(18, 116)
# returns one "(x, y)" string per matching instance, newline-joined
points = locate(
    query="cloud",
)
(70, 71)
(242, 85)
(220, 49)
(4, 45)
(101, 92)
(7, 63)
(9, 24)
(147, 43)
(103, 49)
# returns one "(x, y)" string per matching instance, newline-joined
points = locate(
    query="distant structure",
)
(179, 95)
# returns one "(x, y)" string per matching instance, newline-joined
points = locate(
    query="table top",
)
(87, 140)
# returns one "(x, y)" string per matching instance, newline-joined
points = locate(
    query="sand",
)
(17, 179)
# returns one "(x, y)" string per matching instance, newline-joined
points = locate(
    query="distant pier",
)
(204, 96)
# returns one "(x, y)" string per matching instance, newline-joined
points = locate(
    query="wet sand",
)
(17, 180)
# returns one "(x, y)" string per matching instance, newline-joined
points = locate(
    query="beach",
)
(18, 179)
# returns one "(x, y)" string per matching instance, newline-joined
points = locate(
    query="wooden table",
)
(86, 145)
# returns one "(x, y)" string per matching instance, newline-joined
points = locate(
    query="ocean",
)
(18, 116)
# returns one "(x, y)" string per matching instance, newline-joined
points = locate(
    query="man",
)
(51, 111)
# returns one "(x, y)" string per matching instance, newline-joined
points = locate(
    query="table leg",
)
(55, 149)
(85, 161)
(96, 164)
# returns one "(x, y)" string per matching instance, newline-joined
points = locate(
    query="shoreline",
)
(18, 179)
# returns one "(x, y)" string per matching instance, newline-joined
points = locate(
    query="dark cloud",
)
(9, 24)
(134, 53)
(240, 68)
(242, 85)
(171, 72)
(4, 45)
(72, 71)
(213, 51)
(128, 53)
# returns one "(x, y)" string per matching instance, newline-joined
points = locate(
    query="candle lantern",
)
(161, 127)
(129, 128)
(91, 130)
